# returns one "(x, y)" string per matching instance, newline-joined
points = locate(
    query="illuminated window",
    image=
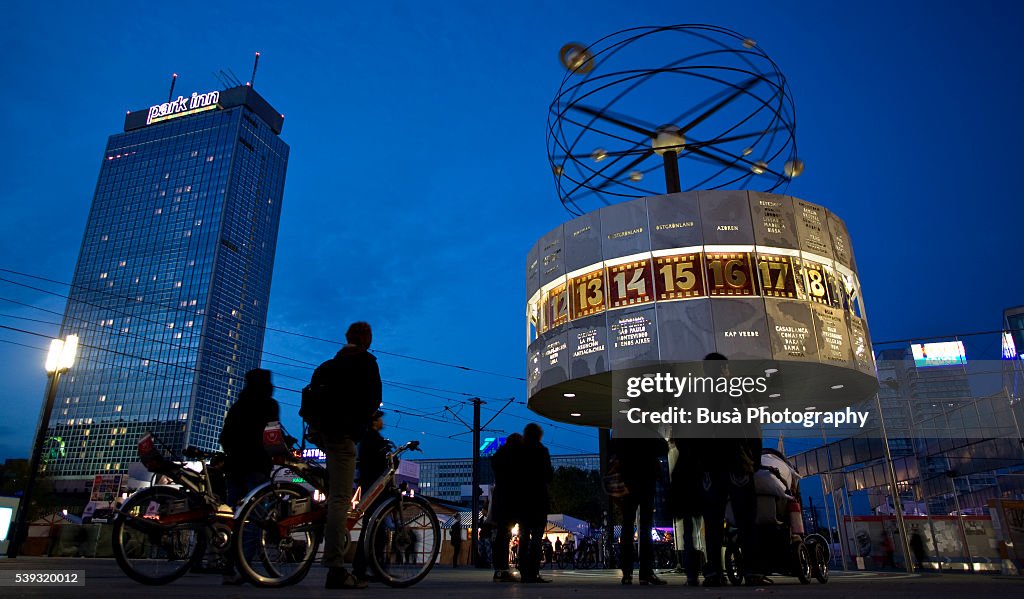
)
(103, 275)
(123, 263)
(103, 398)
(159, 211)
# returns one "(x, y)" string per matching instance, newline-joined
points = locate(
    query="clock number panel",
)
(630, 284)
(730, 274)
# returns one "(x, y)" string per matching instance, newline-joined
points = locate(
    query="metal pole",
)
(840, 528)
(897, 505)
(671, 171)
(475, 485)
(21, 519)
(960, 519)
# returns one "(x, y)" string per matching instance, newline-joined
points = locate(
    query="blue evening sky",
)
(419, 180)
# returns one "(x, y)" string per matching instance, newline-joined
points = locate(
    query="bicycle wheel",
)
(154, 541)
(272, 554)
(563, 561)
(402, 540)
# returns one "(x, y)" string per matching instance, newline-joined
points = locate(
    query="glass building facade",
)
(450, 479)
(169, 296)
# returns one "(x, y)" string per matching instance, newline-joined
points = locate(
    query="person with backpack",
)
(338, 406)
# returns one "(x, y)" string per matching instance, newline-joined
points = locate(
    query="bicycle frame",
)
(284, 455)
(199, 483)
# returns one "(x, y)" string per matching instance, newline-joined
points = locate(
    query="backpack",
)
(316, 400)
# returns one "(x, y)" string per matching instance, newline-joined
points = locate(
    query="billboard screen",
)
(947, 353)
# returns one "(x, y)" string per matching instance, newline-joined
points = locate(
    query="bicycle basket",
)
(274, 442)
(152, 456)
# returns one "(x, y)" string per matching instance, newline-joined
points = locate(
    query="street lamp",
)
(60, 358)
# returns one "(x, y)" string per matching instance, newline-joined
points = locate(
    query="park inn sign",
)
(183, 106)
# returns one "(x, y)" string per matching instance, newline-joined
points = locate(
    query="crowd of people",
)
(714, 473)
(709, 475)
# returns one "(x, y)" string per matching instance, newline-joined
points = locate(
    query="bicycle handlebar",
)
(194, 453)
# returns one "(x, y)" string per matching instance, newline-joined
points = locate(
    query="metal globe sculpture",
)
(672, 147)
(723, 115)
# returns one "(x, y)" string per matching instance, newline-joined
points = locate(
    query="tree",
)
(578, 493)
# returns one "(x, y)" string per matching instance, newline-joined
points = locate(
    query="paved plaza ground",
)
(104, 579)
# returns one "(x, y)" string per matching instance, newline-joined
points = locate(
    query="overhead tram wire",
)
(396, 384)
(264, 327)
(170, 344)
(402, 410)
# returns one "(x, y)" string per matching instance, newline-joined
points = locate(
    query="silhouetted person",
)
(685, 503)
(352, 381)
(456, 537)
(504, 503)
(536, 474)
(247, 464)
(728, 462)
(373, 463)
(641, 468)
(917, 548)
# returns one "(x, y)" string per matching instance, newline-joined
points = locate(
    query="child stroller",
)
(783, 546)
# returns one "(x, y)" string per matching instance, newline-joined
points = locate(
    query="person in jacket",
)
(246, 463)
(727, 465)
(373, 463)
(640, 464)
(455, 533)
(503, 509)
(353, 386)
(535, 476)
(685, 504)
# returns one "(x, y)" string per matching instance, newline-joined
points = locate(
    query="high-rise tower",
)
(170, 292)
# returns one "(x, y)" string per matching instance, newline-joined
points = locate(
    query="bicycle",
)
(162, 531)
(281, 525)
